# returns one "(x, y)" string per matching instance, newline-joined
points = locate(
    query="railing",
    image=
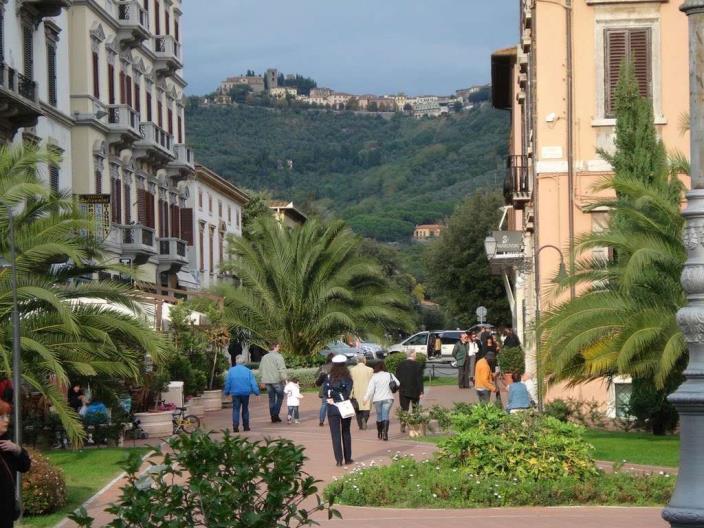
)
(172, 247)
(517, 178)
(167, 46)
(138, 234)
(133, 14)
(157, 135)
(184, 154)
(14, 81)
(123, 116)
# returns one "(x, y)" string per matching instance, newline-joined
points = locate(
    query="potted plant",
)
(415, 421)
(511, 361)
(154, 421)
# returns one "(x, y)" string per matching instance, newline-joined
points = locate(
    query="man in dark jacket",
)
(410, 376)
(511, 339)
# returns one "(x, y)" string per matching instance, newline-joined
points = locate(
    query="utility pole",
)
(686, 508)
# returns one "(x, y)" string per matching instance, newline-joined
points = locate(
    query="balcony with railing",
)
(168, 54)
(123, 121)
(155, 142)
(19, 106)
(172, 253)
(184, 158)
(517, 185)
(138, 242)
(133, 23)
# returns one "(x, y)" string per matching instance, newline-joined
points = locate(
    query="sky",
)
(358, 46)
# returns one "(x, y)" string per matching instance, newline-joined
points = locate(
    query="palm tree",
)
(625, 320)
(72, 327)
(306, 286)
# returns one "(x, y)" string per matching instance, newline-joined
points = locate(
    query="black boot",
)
(379, 429)
(385, 432)
(366, 419)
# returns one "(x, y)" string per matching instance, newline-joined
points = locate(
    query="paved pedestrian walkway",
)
(368, 450)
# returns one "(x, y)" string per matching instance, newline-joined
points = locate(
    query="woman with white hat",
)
(337, 388)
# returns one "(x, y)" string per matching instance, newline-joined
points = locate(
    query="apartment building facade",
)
(34, 95)
(214, 209)
(558, 84)
(128, 138)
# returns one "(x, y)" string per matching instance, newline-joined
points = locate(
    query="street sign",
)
(481, 314)
(508, 241)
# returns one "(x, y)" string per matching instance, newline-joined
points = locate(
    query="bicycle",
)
(184, 423)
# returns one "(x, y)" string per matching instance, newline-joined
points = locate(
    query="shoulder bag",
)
(393, 384)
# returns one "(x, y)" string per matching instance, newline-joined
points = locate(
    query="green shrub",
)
(295, 361)
(442, 415)
(392, 360)
(491, 443)
(558, 409)
(408, 483)
(43, 486)
(225, 482)
(512, 361)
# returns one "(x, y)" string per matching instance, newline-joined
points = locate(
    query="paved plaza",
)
(367, 449)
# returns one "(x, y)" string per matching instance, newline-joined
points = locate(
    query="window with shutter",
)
(137, 97)
(54, 178)
(187, 225)
(123, 98)
(116, 201)
(167, 20)
(180, 130)
(98, 182)
(96, 75)
(621, 45)
(171, 121)
(175, 221)
(128, 88)
(159, 113)
(150, 209)
(177, 30)
(157, 20)
(51, 72)
(162, 219)
(128, 203)
(201, 246)
(221, 247)
(111, 84)
(28, 51)
(149, 106)
(141, 207)
(211, 251)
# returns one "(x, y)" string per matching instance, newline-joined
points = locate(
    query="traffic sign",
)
(481, 314)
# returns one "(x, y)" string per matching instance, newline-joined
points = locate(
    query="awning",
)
(502, 89)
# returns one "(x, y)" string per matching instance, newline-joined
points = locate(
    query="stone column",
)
(686, 508)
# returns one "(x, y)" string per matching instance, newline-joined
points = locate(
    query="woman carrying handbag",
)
(12, 459)
(381, 391)
(337, 388)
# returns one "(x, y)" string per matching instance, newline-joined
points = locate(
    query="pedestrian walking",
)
(473, 346)
(273, 373)
(459, 352)
(13, 459)
(491, 352)
(379, 392)
(410, 377)
(437, 346)
(320, 378)
(519, 399)
(292, 390)
(511, 339)
(361, 376)
(240, 384)
(338, 388)
(484, 381)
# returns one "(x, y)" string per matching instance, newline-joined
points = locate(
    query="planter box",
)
(156, 424)
(416, 430)
(195, 407)
(212, 400)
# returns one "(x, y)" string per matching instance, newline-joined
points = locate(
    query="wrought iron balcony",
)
(133, 21)
(18, 99)
(138, 242)
(155, 142)
(517, 185)
(172, 253)
(168, 55)
(123, 121)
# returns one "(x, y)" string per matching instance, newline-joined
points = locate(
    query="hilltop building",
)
(427, 231)
(561, 102)
(287, 213)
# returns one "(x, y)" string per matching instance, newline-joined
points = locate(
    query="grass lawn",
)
(86, 471)
(636, 448)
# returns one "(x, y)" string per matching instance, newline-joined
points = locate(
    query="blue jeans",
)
(323, 409)
(383, 410)
(240, 403)
(276, 398)
(293, 413)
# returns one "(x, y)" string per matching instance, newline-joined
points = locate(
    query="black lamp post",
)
(686, 508)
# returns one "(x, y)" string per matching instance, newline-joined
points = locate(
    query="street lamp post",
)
(686, 508)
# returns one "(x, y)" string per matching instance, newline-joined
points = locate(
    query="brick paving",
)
(367, 449)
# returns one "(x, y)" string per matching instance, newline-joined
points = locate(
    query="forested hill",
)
(383, 176)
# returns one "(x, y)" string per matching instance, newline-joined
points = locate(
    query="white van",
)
(419, 342)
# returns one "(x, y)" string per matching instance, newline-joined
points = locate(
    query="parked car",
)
(373, 350)
(340, 347)
(418, 343)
